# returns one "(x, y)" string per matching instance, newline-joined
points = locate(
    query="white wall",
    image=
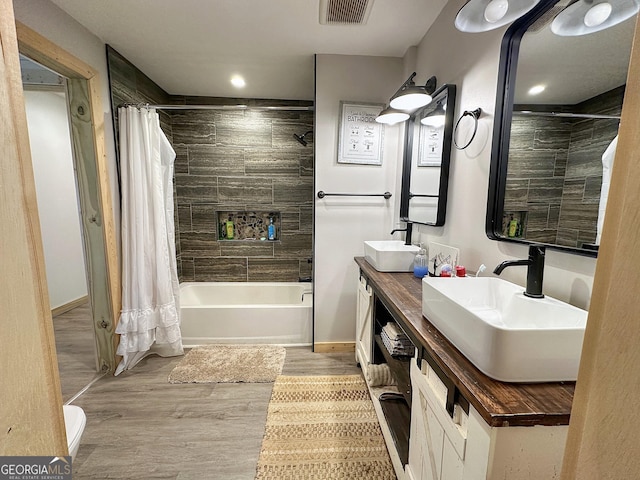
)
(54, 24)
(471, 62)
(342, 224)
(57, 195)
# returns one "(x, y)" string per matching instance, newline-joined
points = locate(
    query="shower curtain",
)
(149, 320)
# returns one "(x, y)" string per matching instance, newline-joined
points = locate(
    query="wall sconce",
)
(391, 116)
(436, 118)
(589, 16)
(411, 96)
(484, 15)
(580, 18)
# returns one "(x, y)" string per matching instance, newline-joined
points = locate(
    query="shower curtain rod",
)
(220, 107)
(567, 115)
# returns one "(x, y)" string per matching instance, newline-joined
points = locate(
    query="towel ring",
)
(467, 113)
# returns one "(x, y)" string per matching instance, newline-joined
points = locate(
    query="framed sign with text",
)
(430, 149)
(360, 137)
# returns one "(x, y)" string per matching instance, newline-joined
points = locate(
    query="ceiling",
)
(573, 69)
(193, 47)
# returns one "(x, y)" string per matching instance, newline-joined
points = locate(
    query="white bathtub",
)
(233, 312)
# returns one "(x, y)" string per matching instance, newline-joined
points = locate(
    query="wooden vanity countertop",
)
(500, 404)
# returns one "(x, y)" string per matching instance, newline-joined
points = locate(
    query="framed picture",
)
(360, 137)
(430, 149)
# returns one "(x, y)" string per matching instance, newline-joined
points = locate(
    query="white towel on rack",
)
(607, 165)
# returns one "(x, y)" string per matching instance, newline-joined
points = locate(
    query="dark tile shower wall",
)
(555, 170)
(129, 85)
(243, 161)
(232, 161)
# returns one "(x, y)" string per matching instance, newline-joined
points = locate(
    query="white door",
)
(364, 324)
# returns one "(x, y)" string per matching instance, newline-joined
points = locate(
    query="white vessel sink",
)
(390, 255)
(507, 336)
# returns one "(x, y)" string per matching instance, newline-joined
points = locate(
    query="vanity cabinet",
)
(463, 425)
(464, 447)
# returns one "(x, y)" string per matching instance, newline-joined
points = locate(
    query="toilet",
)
(74, 422)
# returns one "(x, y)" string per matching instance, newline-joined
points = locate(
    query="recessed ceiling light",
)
(237, 81)
(536, 89)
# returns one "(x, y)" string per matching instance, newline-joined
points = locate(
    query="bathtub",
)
(233, 312)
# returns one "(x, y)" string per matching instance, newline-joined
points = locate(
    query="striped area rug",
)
(321, 428)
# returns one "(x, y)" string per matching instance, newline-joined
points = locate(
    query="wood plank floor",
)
(75, 346)
(141, 427)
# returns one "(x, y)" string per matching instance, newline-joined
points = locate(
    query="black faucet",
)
(408, 229)
(535, 270)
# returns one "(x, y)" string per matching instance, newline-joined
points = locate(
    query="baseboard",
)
(333, 347)
(69, 306)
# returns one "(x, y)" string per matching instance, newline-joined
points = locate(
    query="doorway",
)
(97, 225)
(46, 105)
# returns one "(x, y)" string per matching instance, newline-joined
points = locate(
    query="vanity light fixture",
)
(436, 118)
(484, 15)
(391, 116)
(411, 96)
(589, 16)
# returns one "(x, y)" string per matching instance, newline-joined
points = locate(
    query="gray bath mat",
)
(230, 364)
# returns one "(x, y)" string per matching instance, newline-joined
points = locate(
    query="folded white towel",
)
(396, 335)
(396, 349)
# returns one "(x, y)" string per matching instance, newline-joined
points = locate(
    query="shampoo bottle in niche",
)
(230, 230)
(420, 263)
(271, 230)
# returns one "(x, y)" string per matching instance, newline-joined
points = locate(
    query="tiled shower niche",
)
(514, 224)
(247, 226)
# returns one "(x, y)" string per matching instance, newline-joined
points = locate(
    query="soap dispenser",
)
(271, 230)
(420, 263)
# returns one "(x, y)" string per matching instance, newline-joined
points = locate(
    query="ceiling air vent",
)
(345, 12)
(548, 16)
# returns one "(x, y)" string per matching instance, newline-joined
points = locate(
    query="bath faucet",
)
(535, 270)
(408, 229)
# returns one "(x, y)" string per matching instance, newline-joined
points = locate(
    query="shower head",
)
(300, 138)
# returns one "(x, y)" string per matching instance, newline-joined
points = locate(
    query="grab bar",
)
(386, 195)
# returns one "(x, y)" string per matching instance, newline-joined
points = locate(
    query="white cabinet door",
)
(437, 443)
(432, 456)
(364, 327)
(452, 464)
(417, 439)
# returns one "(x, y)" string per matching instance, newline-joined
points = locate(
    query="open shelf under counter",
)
(400, 369)
(393, 423)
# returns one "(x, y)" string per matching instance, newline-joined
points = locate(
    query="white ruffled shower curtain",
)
(150, 316)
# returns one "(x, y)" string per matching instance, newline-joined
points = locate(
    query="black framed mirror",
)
(427, 153)
(558, 106)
